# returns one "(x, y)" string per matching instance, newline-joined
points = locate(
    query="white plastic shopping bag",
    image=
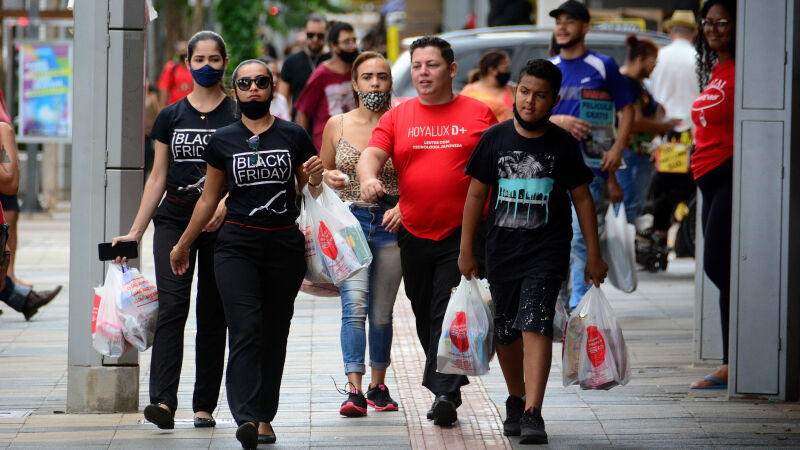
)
(619, 249)
(138, 309)
(595, 355)
(559, 322)
(465, 345)
(107, 336)
(339, 243)
(315, 270)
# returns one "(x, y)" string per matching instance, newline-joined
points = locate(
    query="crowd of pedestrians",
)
(508, 183)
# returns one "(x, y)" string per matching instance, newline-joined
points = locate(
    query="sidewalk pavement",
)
(655, 410)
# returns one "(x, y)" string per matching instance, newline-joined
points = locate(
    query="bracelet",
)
(314, 185)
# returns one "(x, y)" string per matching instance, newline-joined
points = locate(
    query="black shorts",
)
(9, 202)
(527, 304)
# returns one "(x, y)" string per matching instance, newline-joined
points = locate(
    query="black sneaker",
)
(356, 403)
(378, 397)
(515, 406)
(444, 411)
(532, 427)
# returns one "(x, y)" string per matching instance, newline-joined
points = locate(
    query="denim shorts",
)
(526, 304)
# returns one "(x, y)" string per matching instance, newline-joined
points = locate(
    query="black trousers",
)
(259, 273)
(716, 186)
(430, 272)
(174, 293)
(668, 190)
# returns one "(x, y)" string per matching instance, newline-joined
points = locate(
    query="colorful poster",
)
(45, 107)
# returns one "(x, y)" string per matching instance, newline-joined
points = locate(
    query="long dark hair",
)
(706, 57)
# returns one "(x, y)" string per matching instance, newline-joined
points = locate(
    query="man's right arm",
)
(370, 162)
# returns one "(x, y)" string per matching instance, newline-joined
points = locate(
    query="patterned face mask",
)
(375, 101)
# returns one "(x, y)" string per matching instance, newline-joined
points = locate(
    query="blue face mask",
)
(207, 76)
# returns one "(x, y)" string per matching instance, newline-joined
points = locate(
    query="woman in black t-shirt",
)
(260, 253)
(181, 132)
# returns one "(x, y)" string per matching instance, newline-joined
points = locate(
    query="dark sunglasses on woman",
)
(261, 81)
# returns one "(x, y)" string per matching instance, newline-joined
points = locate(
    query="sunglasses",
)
(319, 36)
(252, 144)
(261, 81)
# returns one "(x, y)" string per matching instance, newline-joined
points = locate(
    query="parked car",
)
(521, 42)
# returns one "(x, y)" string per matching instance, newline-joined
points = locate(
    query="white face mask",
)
(375, 101)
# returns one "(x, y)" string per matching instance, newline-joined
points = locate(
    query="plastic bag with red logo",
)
(107, 335)
(339, 242)
(317, 281)
(465, 345)
(138, 309)
(595, 354)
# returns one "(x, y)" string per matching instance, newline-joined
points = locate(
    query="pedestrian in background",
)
(298, 67)
(175, 81)
(20, 297)
(10, 201)
(329, 90)
(259, 259)
(712, 160)
(648, 122)
(181, 132)
(491, 86)
(369, 293)
(429, 139)
(674, 81)
(591, 82)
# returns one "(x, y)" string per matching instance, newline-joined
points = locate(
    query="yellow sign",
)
(673, 156)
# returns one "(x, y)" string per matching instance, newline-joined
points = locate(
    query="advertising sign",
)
(45, 100)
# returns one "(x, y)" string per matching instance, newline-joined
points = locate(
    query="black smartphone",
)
(126, 249)
(388, 201)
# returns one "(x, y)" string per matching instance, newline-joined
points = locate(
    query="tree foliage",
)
(239, 26)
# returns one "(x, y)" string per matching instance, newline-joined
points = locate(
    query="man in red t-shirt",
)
(430, 139)
(175, 81)
(329, 91)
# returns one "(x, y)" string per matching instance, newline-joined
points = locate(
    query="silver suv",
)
(521, 42)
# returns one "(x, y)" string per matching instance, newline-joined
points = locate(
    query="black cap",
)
(575, 9)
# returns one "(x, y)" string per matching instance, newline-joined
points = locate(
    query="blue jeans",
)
(635, 181)
(371, 293)
(577, 255)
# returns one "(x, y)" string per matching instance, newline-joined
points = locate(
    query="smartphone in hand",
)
(125, 249)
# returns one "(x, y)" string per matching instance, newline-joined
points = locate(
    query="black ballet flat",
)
(267, 438)
(159, 416)
(247, 435)
(202, 422)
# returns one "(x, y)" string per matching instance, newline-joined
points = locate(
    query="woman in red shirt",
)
(712, 114)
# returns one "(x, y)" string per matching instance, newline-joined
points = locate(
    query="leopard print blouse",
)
(347, 158)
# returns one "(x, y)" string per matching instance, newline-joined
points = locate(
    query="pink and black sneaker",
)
(355, 405)
(378, 397)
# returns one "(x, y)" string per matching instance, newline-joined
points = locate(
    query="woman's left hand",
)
(313, 168)
(391, 219)
(217, 218)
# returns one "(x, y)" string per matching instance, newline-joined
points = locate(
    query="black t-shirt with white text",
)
(261, 180)
(529, 221)
(186, 131)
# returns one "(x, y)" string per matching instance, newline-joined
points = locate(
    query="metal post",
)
(107, 167)
(31, 202)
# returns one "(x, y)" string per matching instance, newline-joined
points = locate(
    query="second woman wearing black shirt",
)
(260, 252)
(181, 132)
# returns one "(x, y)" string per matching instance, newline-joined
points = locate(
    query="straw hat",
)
(681, 18)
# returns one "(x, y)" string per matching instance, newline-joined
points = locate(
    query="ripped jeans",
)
(371, 294)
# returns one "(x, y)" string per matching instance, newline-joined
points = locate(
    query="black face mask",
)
(533, 126)
(254, 109)
(348, 57)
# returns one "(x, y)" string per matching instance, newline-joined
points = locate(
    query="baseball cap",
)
(573, 8)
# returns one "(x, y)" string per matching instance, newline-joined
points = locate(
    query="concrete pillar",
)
(765, 252)
(107, 167)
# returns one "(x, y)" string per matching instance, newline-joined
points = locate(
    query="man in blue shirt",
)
(592, 93)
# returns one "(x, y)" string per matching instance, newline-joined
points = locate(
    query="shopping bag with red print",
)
(107, 336)
(339, 241)
(595, 355)
(138, 309)
(465, 343)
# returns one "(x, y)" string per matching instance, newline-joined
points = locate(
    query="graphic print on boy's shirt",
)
(524, 183)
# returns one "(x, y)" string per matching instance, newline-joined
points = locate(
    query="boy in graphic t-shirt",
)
(531, 167)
